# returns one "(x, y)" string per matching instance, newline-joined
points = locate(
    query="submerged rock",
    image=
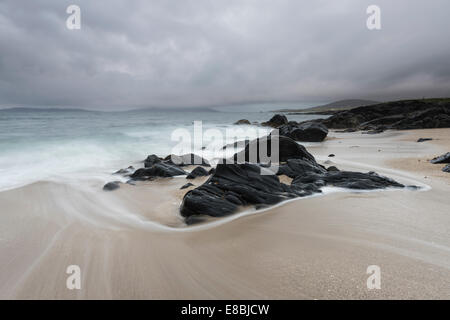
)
(197, 172)
(125, 172)
(445, 158)
(305, 132)
(110, 186)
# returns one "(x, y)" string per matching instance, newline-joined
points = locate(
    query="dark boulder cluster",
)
(236, 185)
(400, 115)
(446, 168)
(304, 132)
(169, 166)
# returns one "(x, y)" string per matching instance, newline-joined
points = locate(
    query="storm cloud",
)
(140, 53)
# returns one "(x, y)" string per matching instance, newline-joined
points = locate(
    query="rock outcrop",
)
(197, 172)
(236, 185)
(304, 132)
(400, 115)
(276, 121)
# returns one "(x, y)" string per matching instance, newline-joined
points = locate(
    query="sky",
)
(184, 53)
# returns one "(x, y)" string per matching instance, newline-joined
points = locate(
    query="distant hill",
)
(23, 109)
(332, 107)
(174, 109)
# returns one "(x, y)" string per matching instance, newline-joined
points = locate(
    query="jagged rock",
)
(276, 121)
(158, 170)
(197, 172)
(110, 186)
(151, 160)
(349, 179)
(445, 158)
(242, 121)
(187, 185)
(298, 167)
(306, 131)
(446, 168)
(288, 149)
(211, 171)
(236, 185)
(186, 160)
(401, 115)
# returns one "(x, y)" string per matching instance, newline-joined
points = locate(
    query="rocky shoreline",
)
(243, 180)
(240, 181)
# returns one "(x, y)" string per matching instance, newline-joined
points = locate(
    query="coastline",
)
(311, 248)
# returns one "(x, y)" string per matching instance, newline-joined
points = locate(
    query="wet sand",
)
(131, 243)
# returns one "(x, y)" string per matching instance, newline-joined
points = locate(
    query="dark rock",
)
(306, 131)
(187, 160)
(158, 170)
(288, 149)
(212, 171)
(237, 144)
(446, 168)
(231, 186)
(332, 169)
(110, 186)
(151, 160)
(331, 155)
(445, 158)
(350, 180)
(125, 172)
(400, 115)
(236, 185)
(424, 139)
(242, 121)
(276, 121)
(197, 172)
(187, 185)
(297, 167)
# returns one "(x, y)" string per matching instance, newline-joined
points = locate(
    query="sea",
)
(75, 145)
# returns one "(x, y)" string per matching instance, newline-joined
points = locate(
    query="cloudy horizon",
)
(208, 53)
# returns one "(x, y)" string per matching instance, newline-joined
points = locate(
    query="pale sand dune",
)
(314, 248)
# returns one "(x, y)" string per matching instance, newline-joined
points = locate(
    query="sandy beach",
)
(132, 244)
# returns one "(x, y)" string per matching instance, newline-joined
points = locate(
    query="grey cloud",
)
(199, 52)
